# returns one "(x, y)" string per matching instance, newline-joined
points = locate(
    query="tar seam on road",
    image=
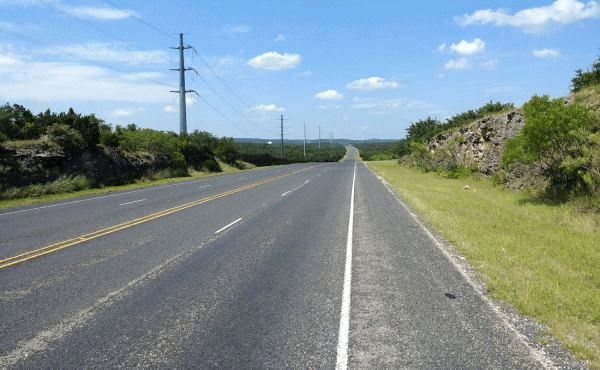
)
(228, 225)
(133, 201)
(10, 261)
(341, 362)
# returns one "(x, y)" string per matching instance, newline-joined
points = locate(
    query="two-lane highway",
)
(302, 266)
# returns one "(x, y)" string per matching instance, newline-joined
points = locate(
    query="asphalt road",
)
(301, 266)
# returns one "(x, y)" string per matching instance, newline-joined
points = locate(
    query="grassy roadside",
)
(544, 260)
(141, 184)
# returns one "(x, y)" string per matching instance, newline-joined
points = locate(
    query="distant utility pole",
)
(282, 136)
(319, 137)
(330, 138)
(182, 91)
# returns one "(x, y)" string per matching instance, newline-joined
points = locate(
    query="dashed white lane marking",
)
(294, 189)
(229, 225)
(341, 362)
(205, 186)
(134, 201)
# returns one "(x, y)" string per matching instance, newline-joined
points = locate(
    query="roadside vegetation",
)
(47, 154)
(557, 151)
(381, 151)
(538, 248)
(540, 258)
(263, 154)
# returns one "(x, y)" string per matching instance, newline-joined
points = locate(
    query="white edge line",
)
(229, 225)
(341, 362)
(135, 201)
(537, 354)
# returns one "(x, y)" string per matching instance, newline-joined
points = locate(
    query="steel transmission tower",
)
(182, 91)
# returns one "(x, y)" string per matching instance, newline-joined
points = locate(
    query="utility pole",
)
(282, 136)
(182, 91)
(304, 139)
(330, 138)
(319, 137)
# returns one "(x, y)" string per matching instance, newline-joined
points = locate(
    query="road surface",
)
(300, 266)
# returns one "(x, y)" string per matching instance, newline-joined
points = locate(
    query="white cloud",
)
(237, 29)
(535, 19)
(457, 64)
(441, 48)
(279, 38)
(388, 104)
(489, 65)
(306, 73)
(545, 53)
(372, 83)
(329, 95)
(169, 109)
(466, 48)
(100, 13)
(267, 108)
(190, 99)
(274, 61)
(126, 112)
(117, 53)
(25, 80)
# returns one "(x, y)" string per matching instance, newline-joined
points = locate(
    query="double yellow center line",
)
(10, 261)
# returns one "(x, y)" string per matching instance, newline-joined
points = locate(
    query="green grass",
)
(542, 259)
(140, 184)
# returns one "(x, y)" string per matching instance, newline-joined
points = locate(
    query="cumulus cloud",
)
(466, 48)
(372, 83)
(545, 53)
(442, 47)
(117, 53)
(457, 64)
(274, 61)
(535, 19)
(267, 108)
(169, 109)
(279, 38)
(329, 95)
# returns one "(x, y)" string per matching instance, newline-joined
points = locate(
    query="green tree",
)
(423, 130)
(554, 136)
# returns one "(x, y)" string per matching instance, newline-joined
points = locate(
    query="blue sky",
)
(361, 69)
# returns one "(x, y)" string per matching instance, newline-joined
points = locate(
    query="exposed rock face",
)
(21, 167)
(480, 143)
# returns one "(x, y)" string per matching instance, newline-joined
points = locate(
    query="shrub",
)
(588, 78)
(560, 141)
(67, 138)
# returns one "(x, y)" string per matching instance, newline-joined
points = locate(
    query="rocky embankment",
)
(38, 164)
(480, 143)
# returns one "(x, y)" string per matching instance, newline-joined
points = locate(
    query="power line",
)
(159, 30)
(222, 115)
(72, 55)
(139, 19)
